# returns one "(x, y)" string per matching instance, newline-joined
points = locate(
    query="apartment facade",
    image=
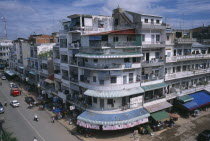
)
(5, 46)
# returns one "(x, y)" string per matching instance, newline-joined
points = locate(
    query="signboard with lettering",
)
(136, 101)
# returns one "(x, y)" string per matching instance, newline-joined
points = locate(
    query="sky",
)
(26, 17)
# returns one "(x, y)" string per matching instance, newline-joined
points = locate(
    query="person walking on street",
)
(35, 139)
(53, 119)
(5, 103)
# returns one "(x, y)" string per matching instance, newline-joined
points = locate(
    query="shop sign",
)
(72, 107)
(135, 101)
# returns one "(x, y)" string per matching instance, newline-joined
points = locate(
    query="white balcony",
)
(113, 66)
(153, 26)
(57, 76)
(152, 63)
(58, 61)
(65, 81)
(65, 66)
(63, 50)
(179, 75)
(187, 57)
(153, 44)
(109, 87)
(43, 71)
(185, 41)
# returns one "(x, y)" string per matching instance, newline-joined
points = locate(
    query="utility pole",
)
(5, 26)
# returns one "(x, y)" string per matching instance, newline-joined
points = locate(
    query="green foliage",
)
(46, 54)
(7, 136)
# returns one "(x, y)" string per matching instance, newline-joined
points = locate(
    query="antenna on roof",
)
(5, 26)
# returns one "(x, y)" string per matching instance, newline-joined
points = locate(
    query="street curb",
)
(78, 137)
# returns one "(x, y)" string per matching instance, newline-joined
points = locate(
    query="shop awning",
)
(200, 99)
(112, 94)
(185, 98)
(33, 72)
(10, 72)
(160, 116)
(154, 107)
(113, 119)
(21, 67)
(154, 86)
(48, 81)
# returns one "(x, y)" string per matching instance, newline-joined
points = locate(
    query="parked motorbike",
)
(36, 118)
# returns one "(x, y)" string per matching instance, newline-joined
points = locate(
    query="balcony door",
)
(153, 39)
(147, 56)
(101, 103)
(125, 79)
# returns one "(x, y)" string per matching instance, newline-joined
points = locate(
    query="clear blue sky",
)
(25, 17)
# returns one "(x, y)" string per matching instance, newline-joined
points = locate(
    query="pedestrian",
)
(5, 103)
(35, 139)
(53, 119)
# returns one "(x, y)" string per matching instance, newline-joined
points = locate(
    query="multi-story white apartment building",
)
(187, 64)
(67, 46)
(19, 56)
(5, 46)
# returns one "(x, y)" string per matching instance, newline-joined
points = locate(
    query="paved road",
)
(20, 121)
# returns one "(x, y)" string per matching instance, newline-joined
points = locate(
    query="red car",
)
(15, 92)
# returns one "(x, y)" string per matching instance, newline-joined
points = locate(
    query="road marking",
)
(24, 117)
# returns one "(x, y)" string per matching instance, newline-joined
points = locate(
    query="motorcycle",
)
(36, 119)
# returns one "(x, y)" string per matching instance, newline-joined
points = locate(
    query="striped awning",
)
(113, 119)
(113, 94)
(154, 86)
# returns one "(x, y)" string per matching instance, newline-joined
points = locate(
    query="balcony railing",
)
(153, 44)
(100, 66)
(74, 45)
(153, 26)
(152, 77)
(187, 57)
(185, 41)
(156, 62)
(186, 74)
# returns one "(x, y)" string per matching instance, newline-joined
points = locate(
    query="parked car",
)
(3, 77)
(204, 136)
(13, 85)
(1, 108)
(29, 100)
(14, 103)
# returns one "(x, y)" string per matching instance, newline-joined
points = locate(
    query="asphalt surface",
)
(20, 120)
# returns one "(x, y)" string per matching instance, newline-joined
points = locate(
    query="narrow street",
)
(20, 120)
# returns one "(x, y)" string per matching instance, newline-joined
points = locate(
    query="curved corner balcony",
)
(100, 56)
(114, 66)
(110, 87)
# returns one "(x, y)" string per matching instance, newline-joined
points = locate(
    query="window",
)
(115, 39)
(116, 22)
(131, 38)
(146, 20)
(94, 78)
(95, 60)
(143, 37)
(126, 60)
(168, 38)
(101, 82)
(178, 68)
(152, 21)
(184, 68)
(157, 38)
(130, 77)
(157, 55)
(110, 101)
(134, 60)
(157, 21)
(94, 100)
(51, 40)
(86, 60)
(63, 43)
(113, 79)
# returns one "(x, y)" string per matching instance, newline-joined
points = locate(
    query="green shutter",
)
(138, 40)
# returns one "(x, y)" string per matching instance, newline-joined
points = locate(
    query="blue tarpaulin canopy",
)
(200, 99)
(113, 119)
(57, 110)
